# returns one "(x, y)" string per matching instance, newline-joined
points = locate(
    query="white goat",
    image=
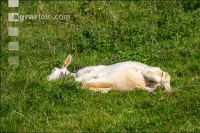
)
(121, 76)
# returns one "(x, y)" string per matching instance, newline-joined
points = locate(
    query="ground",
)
(158, 33)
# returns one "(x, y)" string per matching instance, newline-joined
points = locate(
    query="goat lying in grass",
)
(121, 76)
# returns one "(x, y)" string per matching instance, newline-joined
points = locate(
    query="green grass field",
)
(158, 33)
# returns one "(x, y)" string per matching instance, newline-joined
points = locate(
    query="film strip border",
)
(13, 32)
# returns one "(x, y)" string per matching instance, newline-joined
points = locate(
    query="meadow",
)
(158, 33)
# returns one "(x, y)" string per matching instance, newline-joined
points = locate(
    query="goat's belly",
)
(128, 80)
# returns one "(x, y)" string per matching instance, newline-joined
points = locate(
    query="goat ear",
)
(67, 61)
(166, 76)
(166, 81)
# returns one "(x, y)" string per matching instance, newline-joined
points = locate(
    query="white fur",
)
(121, 76)
(57, 72)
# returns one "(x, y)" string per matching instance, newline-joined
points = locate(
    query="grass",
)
(158, 33)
